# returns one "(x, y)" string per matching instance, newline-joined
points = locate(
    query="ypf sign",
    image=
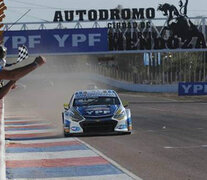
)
(61, 41)
(192, 89)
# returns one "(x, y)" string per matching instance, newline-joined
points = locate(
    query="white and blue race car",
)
(96, 111)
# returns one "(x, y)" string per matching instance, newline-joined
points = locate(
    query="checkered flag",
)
(23, 53)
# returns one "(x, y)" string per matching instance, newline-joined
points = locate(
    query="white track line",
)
(28, 120)
(30, 131)
(103, 177)
(19, 117)
(186, 147)
(27, 125)
(42, 141)
(51, 155)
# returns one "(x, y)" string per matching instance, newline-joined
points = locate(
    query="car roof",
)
(94, 93)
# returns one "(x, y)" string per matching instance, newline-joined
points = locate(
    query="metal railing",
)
(200, 21)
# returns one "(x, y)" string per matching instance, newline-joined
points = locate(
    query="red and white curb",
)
(2, 143)
(39, 159)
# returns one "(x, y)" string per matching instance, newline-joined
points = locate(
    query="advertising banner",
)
(59, 41)
(127, 30)
(192, 89)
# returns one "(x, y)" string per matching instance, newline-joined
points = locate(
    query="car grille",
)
(98, 126)
(100, 117)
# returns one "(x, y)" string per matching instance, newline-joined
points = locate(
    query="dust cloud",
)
(45, 90)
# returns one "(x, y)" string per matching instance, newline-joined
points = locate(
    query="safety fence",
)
(169, 69)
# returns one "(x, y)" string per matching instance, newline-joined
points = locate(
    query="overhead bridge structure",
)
(117, 36)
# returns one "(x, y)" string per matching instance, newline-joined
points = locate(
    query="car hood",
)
(98, 110)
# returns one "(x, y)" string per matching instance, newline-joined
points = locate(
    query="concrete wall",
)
(130, 86)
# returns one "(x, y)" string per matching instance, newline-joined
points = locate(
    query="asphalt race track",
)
(169, 138)
(168, 141)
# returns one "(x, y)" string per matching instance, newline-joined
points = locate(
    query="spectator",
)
(15, 74)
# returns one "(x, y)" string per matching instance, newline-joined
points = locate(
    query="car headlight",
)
(75, 116)
(120, 114)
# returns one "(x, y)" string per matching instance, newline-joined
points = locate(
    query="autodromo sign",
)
(104, 14)
(134, 29)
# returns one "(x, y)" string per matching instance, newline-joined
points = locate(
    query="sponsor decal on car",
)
(122, 126)
(67, 123)
(88, 94)
(97, 112)
(74, 128)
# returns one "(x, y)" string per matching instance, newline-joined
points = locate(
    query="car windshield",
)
(96, 101)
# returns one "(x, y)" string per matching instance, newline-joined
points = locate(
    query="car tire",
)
(127, 133)
(67, 135)
(63, 117)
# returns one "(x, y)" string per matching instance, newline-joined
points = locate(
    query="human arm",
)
(21, 72)
(5, 89)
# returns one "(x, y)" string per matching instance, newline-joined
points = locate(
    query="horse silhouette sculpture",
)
(181, 26)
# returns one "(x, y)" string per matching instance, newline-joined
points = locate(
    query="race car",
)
(96, 111)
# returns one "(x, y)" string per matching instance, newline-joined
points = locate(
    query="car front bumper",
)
(96, 126)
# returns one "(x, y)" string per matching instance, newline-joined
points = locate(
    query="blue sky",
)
(43, 10)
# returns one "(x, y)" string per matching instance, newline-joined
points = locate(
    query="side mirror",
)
(66, 106)
(125, 103)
